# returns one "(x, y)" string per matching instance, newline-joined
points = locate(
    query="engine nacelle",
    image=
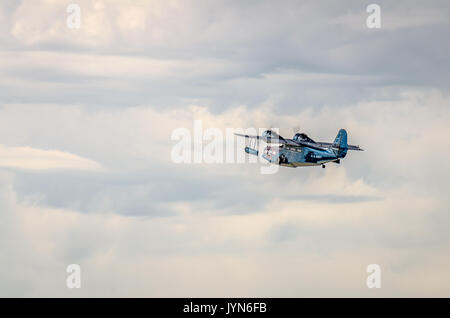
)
(251, 151)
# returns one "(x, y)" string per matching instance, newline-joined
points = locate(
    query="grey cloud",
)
(257, 40)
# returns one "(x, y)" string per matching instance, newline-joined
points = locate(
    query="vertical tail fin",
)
(340, 145)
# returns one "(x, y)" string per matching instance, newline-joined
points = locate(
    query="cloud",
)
(215, 56)
(134, 145)
(289, 248)
(27, 158)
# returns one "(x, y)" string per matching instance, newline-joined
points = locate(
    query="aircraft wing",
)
(303, 143)
(249, 136)
(280, 140)
(329, 144)
(275, 139)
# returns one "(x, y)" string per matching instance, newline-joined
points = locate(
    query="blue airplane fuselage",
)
(301, 150)
(300, 156)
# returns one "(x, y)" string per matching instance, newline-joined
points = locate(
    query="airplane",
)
(300, 150)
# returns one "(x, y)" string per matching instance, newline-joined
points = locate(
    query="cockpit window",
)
(302, 137)
(268, 133)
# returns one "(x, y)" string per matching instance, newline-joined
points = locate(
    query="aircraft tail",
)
(340, 145)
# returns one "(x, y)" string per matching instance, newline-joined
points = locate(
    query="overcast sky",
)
(86, 175)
